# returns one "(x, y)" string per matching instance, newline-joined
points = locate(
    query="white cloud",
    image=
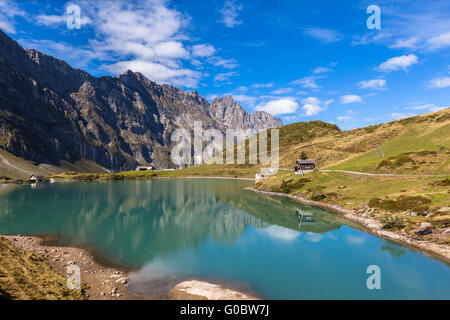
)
(203, 50)
(230, 13)
(323, 34)
(282, 91)
(280, 106)
(8, 11)
(307, 82)
(437, 83)
(146, 36)
(373, 84)
(428, 106)
(242, 89)
(50, 20)
(197, 63)
(402, 115)
(290, 118)
(435, 109)
(350, 98)
(440, 41)
(225, 63)
(312, 106)
(319, 70)
(344, 118)
(423, 106)
(170, 49)
(397, 63)
(412, 25)
(404, 44)
(262, 85)
(329, 101)
(157, 72)
(220, 77)
(371, 37)
(59, 20)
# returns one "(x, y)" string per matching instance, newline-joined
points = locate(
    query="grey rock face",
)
(50, 112)
(231, 115)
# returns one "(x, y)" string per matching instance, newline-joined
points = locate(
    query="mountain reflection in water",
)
(138, 221)
(166, 231)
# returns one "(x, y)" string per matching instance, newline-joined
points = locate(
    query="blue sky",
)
(299, 60)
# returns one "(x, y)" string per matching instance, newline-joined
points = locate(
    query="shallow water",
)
(166, 231)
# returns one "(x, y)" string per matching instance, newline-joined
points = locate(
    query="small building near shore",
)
(144, 168)
(263, 176)
(305, 166)
(36, 178)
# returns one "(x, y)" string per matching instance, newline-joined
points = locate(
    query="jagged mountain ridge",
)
(51, 112)
(230, 114)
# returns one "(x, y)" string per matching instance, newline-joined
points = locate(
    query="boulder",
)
(200, 290)
(425, 225)
(424, 229)
(123, 280)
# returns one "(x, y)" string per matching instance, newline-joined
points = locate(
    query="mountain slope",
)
(51, 113)
(426, 138)
(416, 145)
(231, 115)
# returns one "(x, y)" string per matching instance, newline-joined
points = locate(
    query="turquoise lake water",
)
(167, 231)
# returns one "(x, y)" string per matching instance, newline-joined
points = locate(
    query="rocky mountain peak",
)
(52, 113)
(231, 114)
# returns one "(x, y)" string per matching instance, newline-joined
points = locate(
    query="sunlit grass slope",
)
(356, 149)
(26, 276)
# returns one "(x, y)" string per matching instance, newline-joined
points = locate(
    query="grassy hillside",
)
(26, 276)
(402, 142)
(350, 190)
(14, 167)
(416, 145)
(423, 146)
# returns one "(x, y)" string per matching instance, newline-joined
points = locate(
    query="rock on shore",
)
(200, 290)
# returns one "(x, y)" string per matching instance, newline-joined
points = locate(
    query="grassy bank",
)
(402, 204)
(26, 276)
(231, 171)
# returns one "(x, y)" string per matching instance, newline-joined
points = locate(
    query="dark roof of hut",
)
(306, 162)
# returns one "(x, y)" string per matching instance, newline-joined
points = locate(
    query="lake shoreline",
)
(105, 281)
(21, 182)
(373, 226)
(99, 282)
(106, 277)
